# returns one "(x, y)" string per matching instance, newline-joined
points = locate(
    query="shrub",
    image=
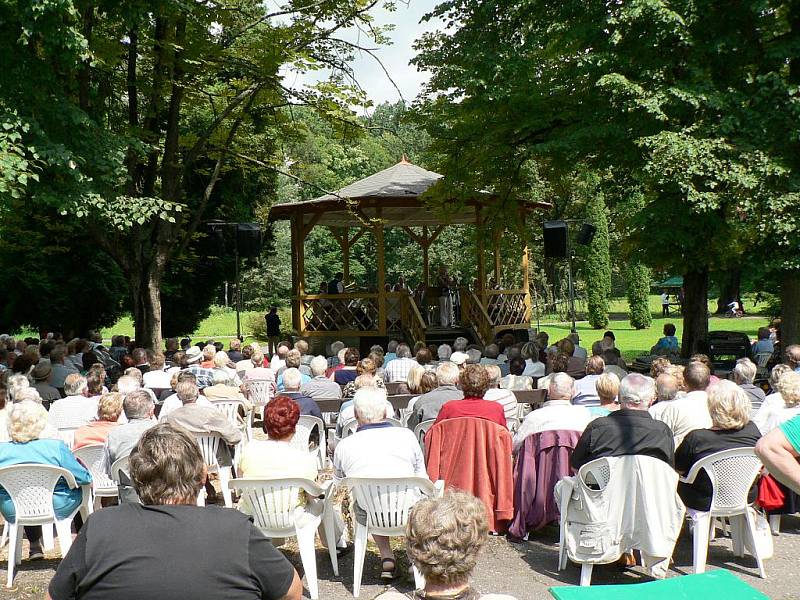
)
(638, 290)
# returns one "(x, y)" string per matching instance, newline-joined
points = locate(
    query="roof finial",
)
(404, 160)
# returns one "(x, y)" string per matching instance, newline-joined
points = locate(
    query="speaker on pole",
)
(586, 234)
(555, 235)
(248, 239)
(216, 239)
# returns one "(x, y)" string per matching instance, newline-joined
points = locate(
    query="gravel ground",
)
(524, 570)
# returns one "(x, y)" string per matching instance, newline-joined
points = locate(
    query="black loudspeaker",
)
(248, 239)
(216, 239)
(586, 234)
(555, 239)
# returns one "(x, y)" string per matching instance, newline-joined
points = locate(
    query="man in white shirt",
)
(278, 361)
(173, 402)
(76, 410)
(156, 377)
(557, 413)
(320, 386)
(690, 412)
(667, 390)
(377, 449)
(497, 394)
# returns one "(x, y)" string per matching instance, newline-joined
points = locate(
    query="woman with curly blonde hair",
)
(782, 405)
(443, 539)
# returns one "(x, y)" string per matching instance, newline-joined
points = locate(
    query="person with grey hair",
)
(490, 354)
(225, 388)
(293, 358)
(377, 449)
(338, 346)
(667, 389)
(744, 373)
(428, 405)
(689, 412)
(320, 386)
(627, 431)
(77, 409)
(556, 414)
(138, 408)
(444, 352)
(292, 381)
(60, 368)
(460, 344)
(398, 369)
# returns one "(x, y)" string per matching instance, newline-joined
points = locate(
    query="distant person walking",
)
(664, 304)
(273, 329)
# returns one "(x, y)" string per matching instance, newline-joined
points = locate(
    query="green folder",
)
(719, 583)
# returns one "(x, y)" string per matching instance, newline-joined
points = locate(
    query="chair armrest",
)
(691, 475)
(439, 487)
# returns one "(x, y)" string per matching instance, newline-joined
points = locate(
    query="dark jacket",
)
(624, 432)
(307, 405)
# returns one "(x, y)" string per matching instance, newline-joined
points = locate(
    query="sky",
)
(396, 56)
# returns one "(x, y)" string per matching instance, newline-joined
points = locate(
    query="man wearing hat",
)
(203, 376)
(42, 375)
(459, 359)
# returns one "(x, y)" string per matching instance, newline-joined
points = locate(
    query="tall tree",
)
(597, 262)
(109, 110)
(637, 289)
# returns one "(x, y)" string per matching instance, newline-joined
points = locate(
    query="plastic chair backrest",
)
(259, 391)
(387, 501)
(732, 473)
(422, 428)
(302, 432)
(31, 489)
(120, 466)
(761, 359)
(596, 472)
(209, 444)
(272, 502)
(67, 435)
(93, 458)
(351, 426)
(230, 408)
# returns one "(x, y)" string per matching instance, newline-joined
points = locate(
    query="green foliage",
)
(637, 277)
(597, 262)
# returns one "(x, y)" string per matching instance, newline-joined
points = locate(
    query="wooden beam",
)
(306, 228)
(338, 236)
(525, 267)
(436, 233)
(296, 302)
(358, 235)
(496, 251)
(426, 264)
(419, 240)
(381, 266)
(481, 258)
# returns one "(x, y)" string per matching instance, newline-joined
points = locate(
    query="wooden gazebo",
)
(392, 198)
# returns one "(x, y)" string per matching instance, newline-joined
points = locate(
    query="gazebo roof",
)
(393, 195)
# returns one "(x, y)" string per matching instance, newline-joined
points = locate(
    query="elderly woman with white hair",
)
(781, 406)
(744, 373)
(26, 422)
(729, 407)
(377, 449)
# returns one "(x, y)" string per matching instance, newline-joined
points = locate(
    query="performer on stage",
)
(445, 298)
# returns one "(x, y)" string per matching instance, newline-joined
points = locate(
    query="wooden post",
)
(481, 259)
(525, 262)
(296, 302)
(345, 243)
(426, 266)
(496, 249)
(378, 232)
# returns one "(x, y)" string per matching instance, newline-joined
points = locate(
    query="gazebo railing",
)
(475, 317)
(339, 312)
(507, 307)
(412, 321)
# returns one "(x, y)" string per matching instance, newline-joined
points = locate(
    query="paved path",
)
(524, 571)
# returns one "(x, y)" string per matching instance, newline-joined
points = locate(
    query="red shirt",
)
(473, 407)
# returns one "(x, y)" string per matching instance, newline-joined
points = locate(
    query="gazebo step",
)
(446, 335)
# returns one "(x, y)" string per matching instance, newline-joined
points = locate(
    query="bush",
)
(638, 290)
(597, 266)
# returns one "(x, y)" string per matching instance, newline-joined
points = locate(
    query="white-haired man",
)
(428, 405)
(60, 369)
(444, 352)
(744, 373)
(627, 431)
(667, 390)
(77, 409)
(391, 352)
(558, 413)
(336, 348)
(292, 380)
(398, 369)
(689, 412)
(377, 449)
(320, 386)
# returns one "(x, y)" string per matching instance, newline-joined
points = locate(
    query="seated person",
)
(558, 364)
(533, 367)
(377, 449)
(505, 398)
(428, 405)
(320, 386)
(667, 390)
(586, 387)
(731, 427)
(474, 383)
(607, 390)
(165, 550)
(293, 361)
(173, 402)
(744, 373)
(77, 409)
(576, 365)
(366, 366)
(515, 380)
(443, 539)
(349, 371)
(781, 406)
(627, 431)
(667, 344)
(690, 411)
(26, 422)
(428, 382)
(109, 410)
(764, 344)
(558, 413)
(347, 409)
(292, 380)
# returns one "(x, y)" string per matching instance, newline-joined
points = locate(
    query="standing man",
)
(445, 300)
(335, 285)
(664, 304)
(273, 330)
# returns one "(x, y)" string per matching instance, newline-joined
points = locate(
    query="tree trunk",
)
(730, 284)
(695, 312)
(790, 308)
(145, 282)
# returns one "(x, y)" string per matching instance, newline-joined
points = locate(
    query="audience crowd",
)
(59, 396)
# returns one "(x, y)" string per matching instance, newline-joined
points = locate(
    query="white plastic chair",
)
(732, 473)
(273, 504)
(93, 458)
(302, 435)
(230, 408)
(351, 426)
(387, 502)
(209, 444)
(67, 435)
(513, 424)
(259, 393)
(762, 359)
(31, 487)
(422, 428)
